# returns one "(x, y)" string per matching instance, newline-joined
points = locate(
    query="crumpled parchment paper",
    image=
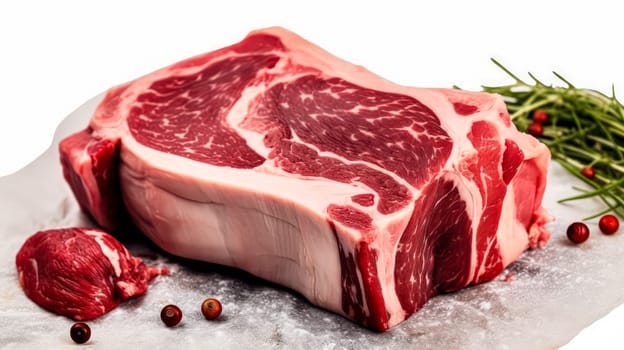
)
(554, 292)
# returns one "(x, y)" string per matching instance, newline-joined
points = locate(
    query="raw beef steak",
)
(81, 273)
(275, 157)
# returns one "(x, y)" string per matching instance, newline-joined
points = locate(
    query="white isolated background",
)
(54, 55)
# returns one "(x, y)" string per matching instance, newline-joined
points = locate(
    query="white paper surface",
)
(554, 293)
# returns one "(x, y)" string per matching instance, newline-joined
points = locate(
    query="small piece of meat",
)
(81, 273)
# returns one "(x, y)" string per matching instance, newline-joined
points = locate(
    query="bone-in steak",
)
(276, 157)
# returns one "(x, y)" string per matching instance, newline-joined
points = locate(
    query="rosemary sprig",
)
(585, 129)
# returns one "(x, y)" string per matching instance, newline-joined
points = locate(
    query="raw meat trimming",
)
(80, 272)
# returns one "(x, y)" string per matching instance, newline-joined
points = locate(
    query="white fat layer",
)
(511, 235)
(111, 254)
(82, 158)
(387, 250)
(35, 266)
(267, 235)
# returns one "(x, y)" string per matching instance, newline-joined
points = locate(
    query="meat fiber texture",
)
(275, 157)
(81, 273)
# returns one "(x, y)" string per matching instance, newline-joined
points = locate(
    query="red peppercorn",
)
(536, 129)
(609, 224)
(540, 116)
(80, 332)
(589, 172)
(211, 308)
(578, 232)
(171, 315)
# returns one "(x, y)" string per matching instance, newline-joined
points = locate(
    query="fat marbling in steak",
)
(275, 157)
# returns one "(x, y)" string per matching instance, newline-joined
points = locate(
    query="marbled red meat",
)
(273, 156)
(81, 273)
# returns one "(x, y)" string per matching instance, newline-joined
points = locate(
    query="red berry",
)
(80, 332)
(540, 116)
(578, 232)
(536, 129)
(211, 308)
(171, 315)
(609, 224)
(589, 172)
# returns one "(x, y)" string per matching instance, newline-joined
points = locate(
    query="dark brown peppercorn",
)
(171, 315)
(578, 232)
(80, 332)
